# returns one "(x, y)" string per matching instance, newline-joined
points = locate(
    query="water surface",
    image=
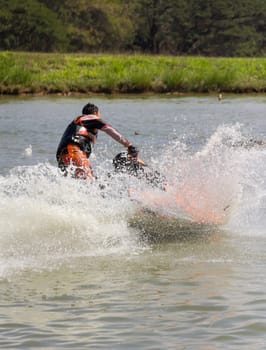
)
(76, 273)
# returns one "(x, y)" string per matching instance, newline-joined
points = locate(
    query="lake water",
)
(76, 270)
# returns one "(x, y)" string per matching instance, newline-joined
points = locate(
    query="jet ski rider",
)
(75, 147)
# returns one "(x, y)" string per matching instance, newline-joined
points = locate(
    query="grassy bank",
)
(65, 73)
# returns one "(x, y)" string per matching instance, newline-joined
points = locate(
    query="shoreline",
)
(138, 95)
(130, 95)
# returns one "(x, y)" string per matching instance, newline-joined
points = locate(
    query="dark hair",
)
(90, 109)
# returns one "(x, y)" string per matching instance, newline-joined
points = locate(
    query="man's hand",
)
(132, 151)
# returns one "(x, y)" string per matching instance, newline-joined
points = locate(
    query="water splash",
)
(27, 151)
(46, 219)
(222, 183)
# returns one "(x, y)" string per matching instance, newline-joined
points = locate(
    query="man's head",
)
(90, 109)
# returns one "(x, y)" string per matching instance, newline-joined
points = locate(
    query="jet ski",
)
(125, 164)
(152, 219)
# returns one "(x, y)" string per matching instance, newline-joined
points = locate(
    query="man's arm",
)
(108, 129)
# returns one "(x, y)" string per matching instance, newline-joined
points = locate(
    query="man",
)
(75, 146)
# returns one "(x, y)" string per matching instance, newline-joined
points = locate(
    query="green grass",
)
(22, 72)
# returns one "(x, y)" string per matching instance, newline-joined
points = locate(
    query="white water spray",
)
(46, 219)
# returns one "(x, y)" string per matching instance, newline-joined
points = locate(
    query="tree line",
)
(175, 27)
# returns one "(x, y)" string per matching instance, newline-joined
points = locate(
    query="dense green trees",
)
(31, 26)
(201, 27)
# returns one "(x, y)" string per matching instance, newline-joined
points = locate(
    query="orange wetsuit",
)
(75, 146)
